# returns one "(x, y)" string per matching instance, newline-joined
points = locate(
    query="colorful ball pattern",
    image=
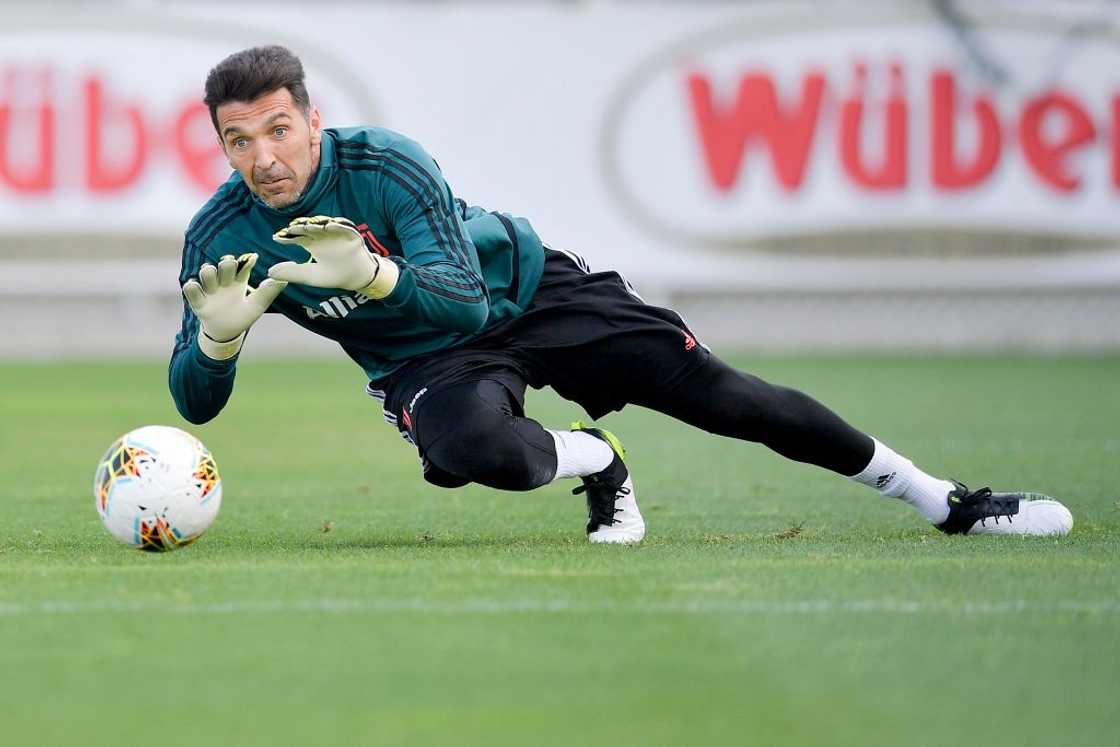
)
(157, 488)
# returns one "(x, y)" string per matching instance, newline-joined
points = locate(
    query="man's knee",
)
(440, 477)
(494, 449)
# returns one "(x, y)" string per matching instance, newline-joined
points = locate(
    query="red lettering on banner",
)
(948, 172)
(1116, 141)
(40, 176)
(100, 114)
(725, 132)
(118, 141)
(197, 146)
(891, 172)
(1050, 160)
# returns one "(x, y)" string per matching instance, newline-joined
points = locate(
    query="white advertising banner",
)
(102, 127)
(771, 146)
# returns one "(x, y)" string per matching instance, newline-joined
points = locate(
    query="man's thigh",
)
(631, 368)
(428, 398)
(408, 388)
(460, 418)
(590, 337)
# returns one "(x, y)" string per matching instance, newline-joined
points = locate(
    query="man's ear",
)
(314, 121)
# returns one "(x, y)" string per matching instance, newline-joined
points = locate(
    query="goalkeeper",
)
(452, 311)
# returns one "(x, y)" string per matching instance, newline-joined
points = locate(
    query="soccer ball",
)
(157, 488)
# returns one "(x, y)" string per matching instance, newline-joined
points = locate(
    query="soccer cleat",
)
(984, 512)
(612, 511)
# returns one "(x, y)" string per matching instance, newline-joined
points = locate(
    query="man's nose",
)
(263, 157)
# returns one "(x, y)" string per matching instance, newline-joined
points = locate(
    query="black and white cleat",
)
(984, 512)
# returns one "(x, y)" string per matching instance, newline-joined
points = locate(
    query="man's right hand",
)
(224, 304)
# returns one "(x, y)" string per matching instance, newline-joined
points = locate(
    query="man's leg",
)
(596, 342)
(727, 402)
(476, 432)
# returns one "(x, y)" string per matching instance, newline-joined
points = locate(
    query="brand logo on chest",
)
(336, 307)
(372, 243)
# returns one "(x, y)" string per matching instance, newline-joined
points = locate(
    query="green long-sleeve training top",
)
(463, 269)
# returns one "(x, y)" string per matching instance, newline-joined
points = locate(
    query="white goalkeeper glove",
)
(339, 258)
(224, 304)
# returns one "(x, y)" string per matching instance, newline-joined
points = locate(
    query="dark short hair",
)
(245, 75)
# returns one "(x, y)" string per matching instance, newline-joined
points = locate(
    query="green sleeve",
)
(440, 275)
(200, 385)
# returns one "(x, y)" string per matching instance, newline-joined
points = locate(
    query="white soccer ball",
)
(157, 488)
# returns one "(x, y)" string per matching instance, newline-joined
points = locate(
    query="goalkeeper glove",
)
(225, 306)
(339, 258)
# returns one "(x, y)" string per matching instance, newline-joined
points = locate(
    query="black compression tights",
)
(727, 402)
(474, 432)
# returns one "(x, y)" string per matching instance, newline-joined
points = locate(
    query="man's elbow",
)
(472, 318)
(194, 416)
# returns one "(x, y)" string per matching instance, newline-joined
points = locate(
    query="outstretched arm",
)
(438, 280)
(218, 310)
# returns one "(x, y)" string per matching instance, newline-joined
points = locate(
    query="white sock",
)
(895, 476)
(579, 454)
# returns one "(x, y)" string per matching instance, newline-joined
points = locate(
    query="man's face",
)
(272, 145)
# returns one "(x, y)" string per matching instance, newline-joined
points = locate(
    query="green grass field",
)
(772, 603)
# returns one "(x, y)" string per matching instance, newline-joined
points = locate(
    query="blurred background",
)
(917, 176)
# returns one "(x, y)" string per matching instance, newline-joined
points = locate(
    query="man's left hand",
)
(339, 258)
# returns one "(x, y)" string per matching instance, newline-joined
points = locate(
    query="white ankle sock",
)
(579, 454)
(895, 476)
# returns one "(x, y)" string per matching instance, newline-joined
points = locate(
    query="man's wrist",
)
(219, 351)
(385, 276)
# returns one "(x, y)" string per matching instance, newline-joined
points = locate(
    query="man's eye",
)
(240, 143)
(280, 131)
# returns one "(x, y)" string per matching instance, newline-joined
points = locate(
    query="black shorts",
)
(587, 335)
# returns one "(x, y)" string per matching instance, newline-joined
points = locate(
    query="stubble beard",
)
(284, 199)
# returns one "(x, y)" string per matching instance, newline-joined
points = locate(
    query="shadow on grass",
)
(398, 540)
